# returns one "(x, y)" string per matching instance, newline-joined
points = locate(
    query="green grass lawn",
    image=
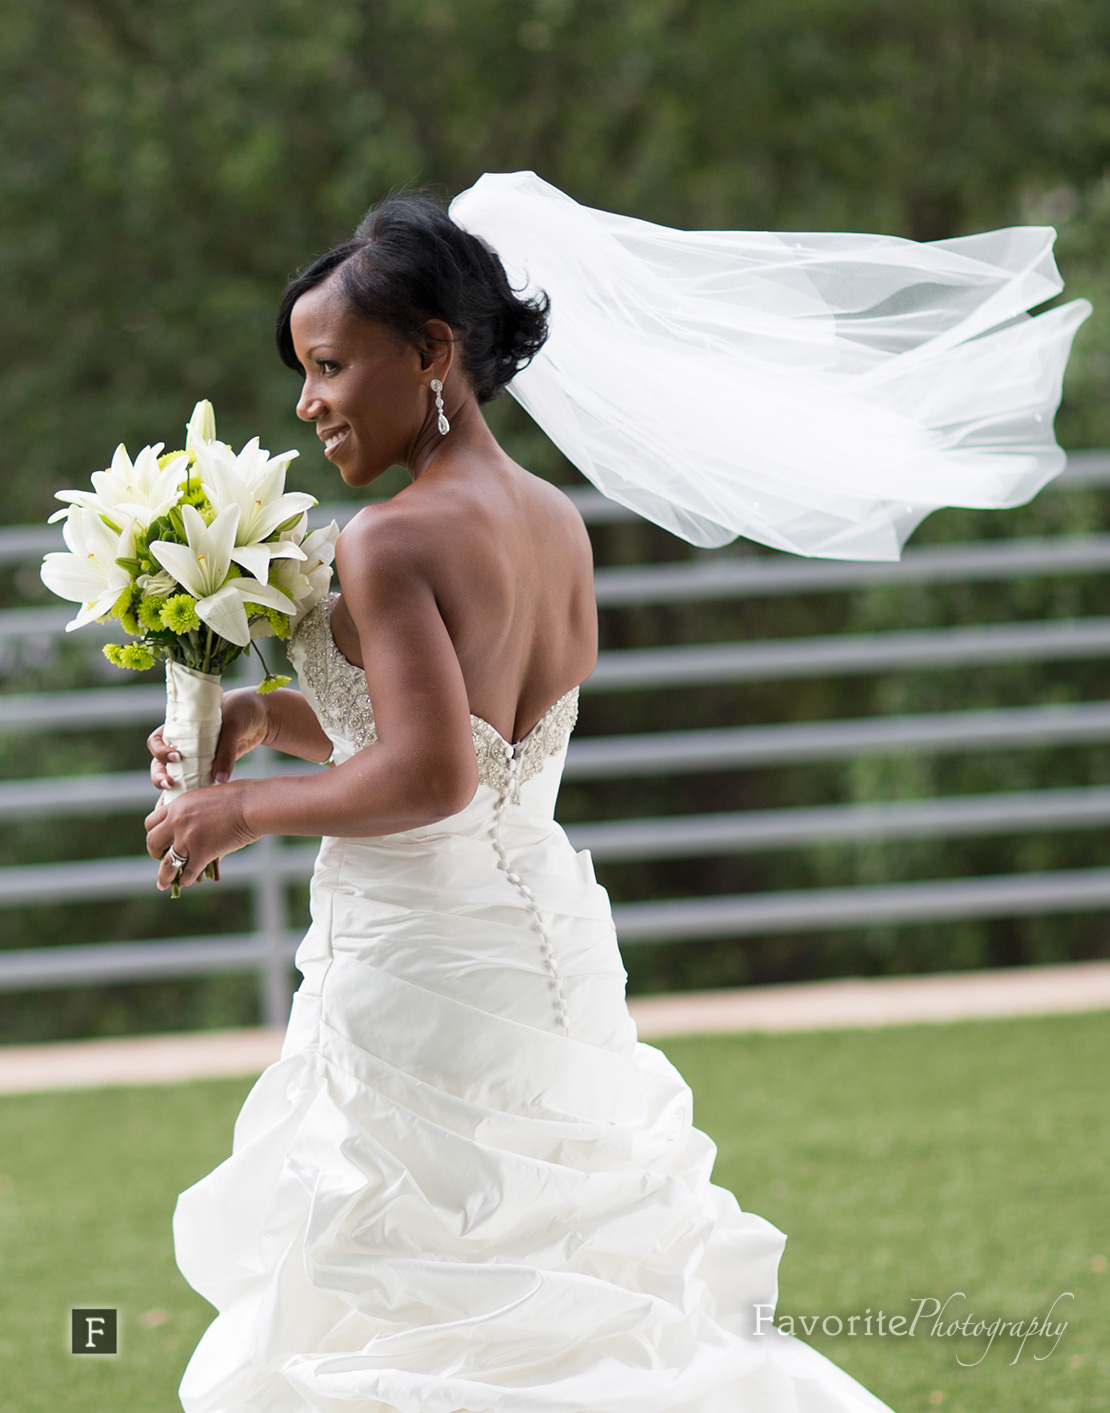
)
(904, 1164)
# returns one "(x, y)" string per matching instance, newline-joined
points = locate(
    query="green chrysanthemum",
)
(124, 611)
(278, 621)
(136, 657)
(271, 682)
(168, 456)
(133, 656)
(194, 495)
(179, 614)
(150, 612)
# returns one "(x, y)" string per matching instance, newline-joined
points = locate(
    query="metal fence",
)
(267, 868)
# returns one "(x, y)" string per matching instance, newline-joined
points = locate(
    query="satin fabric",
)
(438, 1200)
(194, 715)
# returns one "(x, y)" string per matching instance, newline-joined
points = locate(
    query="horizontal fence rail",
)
(755, 576)
(813, 909)
(48, 968)
(266, 868)
(760, 831)
(134, 877)
(763, 576)
(794, 743)
(636, 840)
(849, 654)
(672, 752)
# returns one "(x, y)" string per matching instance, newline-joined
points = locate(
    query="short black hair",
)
(409, 262)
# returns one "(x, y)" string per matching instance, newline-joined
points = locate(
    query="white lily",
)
(201, 426)
(308, 581)
(201, 567)
(88, 573)
(255, 482)
(139, 490)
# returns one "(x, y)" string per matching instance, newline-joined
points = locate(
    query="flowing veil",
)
(820, 393)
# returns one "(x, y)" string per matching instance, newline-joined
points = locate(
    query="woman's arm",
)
(421, 768)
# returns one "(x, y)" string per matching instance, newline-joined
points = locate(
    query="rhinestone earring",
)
(443, 424)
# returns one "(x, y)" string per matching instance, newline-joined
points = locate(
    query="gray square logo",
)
(93, 1331)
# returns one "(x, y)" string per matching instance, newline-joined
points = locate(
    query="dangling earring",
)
(443, 424)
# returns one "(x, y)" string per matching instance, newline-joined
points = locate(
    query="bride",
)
(466, 1184)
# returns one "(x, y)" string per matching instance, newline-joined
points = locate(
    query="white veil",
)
(820, 393)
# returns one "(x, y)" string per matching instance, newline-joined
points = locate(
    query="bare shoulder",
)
(558, 508)
(383, 548)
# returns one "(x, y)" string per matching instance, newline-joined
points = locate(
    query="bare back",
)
(511, 566)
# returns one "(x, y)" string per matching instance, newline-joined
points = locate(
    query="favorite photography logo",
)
(93, 1331)
(935, 1319)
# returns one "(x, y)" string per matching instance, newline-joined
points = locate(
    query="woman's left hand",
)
(203, 825)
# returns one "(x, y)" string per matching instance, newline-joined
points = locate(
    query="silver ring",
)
(178, 860)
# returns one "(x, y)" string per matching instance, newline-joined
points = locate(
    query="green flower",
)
(192, 493)
(179, 614)
(271, 682)
(136, 657)
(133, 656)
(165, 459)
(124, 610)
(279, 622)
(150, 612)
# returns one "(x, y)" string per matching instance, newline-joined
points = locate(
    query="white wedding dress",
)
(466, 1184)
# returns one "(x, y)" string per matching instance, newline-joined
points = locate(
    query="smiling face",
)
(366, 390)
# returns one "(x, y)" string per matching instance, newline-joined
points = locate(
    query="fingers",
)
(184, 875)
(159, 775)
(159, 835)
(168, 829)
(227, 753)
(159, 842)
(162, 753)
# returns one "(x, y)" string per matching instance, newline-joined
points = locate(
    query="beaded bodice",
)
(343, 705)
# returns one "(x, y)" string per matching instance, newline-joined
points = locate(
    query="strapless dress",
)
(466, 1184)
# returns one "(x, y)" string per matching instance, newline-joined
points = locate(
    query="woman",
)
(465, 1184)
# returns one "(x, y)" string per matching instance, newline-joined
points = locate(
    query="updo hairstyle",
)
(409, 262)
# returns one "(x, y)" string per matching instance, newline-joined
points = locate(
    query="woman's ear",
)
(436, 343)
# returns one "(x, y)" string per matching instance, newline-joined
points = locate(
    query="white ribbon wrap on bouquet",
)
(818, 392)
(194, 704)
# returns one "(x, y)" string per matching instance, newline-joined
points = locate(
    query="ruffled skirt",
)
(439, 1200)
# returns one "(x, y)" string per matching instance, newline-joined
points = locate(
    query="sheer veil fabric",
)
(820, 393)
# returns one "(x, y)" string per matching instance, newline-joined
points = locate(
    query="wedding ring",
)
(178, 860)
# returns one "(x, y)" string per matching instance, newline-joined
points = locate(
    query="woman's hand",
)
(246, 724)
(202, 825)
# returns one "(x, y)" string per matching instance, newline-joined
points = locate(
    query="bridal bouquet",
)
(197, 554)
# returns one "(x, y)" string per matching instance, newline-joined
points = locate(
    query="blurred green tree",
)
(166, 164)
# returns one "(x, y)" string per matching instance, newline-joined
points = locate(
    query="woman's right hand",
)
(246, 724)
